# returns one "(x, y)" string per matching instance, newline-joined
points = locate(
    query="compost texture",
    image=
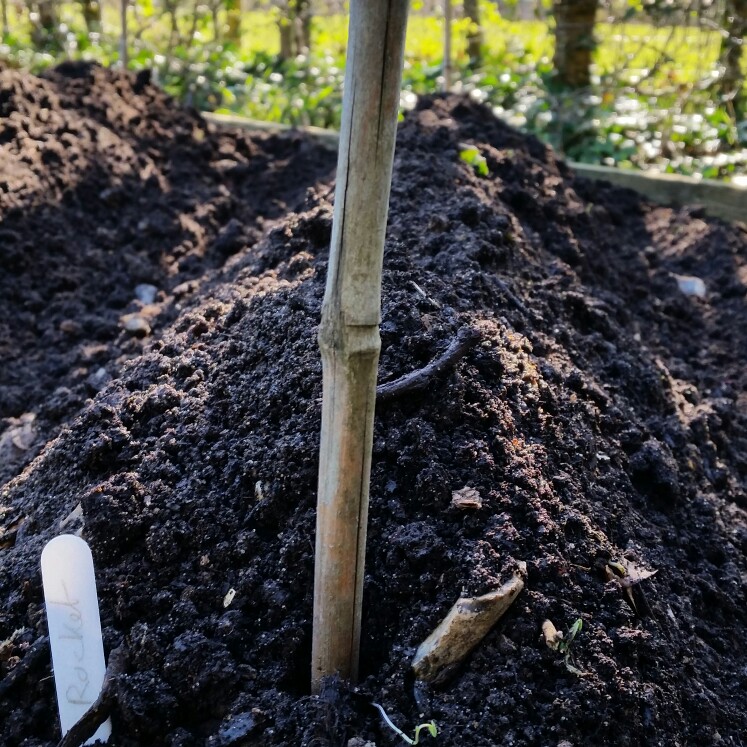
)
(160, 393)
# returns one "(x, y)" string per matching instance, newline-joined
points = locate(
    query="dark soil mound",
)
(105, 185)
(602, 419)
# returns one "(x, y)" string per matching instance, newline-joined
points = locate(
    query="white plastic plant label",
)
(74, 629)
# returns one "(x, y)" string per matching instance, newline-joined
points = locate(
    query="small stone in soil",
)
(235, 731)
(136, 325)
(146, 293)
(691, 286)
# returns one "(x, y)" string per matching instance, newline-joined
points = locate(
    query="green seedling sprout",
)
(562, 643)
(430, 727)
(472, 156)
(627, 574)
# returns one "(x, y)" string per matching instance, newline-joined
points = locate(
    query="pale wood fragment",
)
(465, 625)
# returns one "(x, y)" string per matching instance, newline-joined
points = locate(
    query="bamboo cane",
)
(349, 335)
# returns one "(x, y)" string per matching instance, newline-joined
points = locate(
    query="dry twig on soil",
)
(465, 340)
(102, 706)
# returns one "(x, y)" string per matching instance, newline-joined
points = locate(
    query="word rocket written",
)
(74, 629)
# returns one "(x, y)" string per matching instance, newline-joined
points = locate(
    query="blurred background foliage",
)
(652, 84)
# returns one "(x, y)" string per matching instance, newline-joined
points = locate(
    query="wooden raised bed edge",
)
(727, 201)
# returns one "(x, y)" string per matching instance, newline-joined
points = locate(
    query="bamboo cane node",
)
(349, 340)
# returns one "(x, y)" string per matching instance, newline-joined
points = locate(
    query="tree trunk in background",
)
(233, 21)
(730, 56)
(574, 41)
(215, 20)
(286, 39)
(92, 15)
(303, 25)
(47, 15)
(123, 35)
(171, 7)
(295, 28)
(44, 28)
(474, 35)
(446, 70)
(4, 7)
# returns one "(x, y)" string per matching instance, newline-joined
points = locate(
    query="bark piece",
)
(466, 498)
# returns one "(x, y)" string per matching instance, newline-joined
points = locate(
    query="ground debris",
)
(466, 498)
(464, 626)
